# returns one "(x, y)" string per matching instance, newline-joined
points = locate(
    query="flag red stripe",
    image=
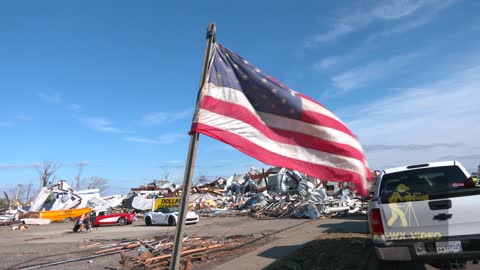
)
(313, 169)
(323, 120)
(308, 115)
(281, 135)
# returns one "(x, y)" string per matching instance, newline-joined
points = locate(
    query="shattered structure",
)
(51, 200)
(62, 196)
(277, 192)
(143, 198)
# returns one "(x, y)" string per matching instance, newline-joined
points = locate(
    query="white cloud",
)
(394, 10)
(371, 43)
(53, 98)
(35, 165)
(141, 140)
(339, 29)
(426, 17)
(170, 138)
(362, 75)
(156, 118)
(21, 166)
(57, 98)
(5, 124)
(326, 63)
(74, 107)
(23, 117)
(385, 11)
(336, 61)
(442, 114)
(409, 147)
(18, 118)
(175, 161)
(101, 124)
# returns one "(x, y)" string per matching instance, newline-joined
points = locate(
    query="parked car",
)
(169, 216)
(109, 217)
(426, 213)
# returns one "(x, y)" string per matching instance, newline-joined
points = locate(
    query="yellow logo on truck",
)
(166, 202)
(400, 203)
(405, 213)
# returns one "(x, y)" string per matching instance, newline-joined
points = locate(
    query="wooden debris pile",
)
(276, 209)
(156, 254)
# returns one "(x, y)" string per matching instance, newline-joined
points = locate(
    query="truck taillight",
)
(376, 224)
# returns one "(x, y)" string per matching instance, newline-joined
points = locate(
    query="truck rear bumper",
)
(427, 251)
(394, 253)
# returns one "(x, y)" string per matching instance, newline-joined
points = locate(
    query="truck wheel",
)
(122, 221)
(148, 221)
(171, 221)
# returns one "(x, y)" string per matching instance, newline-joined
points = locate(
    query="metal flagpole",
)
(192, 153)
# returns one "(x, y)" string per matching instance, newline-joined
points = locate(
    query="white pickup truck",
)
(426, 213)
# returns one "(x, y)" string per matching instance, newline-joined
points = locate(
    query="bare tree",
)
(202, 179)
(28, 191)
(97, 182)
(15, 195)
(7, 199)
(78, 182)
(166, 174)
(46, 170)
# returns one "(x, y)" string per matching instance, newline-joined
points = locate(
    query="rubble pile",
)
(156, 254)
(278, 192)
(9, 217)
(52, 201)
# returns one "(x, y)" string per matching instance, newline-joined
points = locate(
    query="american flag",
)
(242, 106)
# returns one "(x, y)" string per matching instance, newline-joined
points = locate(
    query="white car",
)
(169, 216)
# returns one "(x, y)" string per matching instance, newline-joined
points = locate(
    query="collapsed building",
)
(277, 192)
(60, 202)
(62, 196)
(143, 198)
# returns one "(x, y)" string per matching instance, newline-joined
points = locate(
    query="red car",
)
(110, 218)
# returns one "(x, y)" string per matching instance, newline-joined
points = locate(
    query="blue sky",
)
(112, 84)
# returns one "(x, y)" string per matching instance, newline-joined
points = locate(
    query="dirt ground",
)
(56, 242)
(330, 251)
(344, 246)
(337, 243)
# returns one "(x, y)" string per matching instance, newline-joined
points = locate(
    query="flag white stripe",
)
(309, 105)
(325, 133)
(253, 135)
(275, 121)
